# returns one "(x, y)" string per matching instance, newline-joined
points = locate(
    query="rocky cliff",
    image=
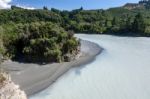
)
(9, 90)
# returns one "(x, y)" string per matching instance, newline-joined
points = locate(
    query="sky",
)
(65, 4)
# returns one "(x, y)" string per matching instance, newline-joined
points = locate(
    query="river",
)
(121, 71)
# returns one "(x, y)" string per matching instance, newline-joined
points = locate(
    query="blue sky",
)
(72, 4)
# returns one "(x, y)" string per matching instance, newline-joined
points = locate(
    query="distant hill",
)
(143, 4)
(131, 6)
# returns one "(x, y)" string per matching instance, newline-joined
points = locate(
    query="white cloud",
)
(26, 7)
(4, 4)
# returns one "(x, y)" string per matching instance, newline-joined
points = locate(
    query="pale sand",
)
(33, 78)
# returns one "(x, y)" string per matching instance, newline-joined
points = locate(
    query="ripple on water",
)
(122, 71)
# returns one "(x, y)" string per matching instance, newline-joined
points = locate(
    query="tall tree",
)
(45, 8)
(138, 24)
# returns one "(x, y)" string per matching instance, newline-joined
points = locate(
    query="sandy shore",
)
(33, 78)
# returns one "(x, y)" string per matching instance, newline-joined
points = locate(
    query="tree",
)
(81, 8)
(13, 7)
(55, 10)
(128, 26)
(45, 8)
(41, 42)
(115, 21)
(138, 24)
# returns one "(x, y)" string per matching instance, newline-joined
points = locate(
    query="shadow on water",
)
(78, 70)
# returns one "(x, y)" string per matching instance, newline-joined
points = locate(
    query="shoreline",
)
(34, 78)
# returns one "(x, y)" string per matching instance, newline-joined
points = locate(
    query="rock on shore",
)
(8, 90)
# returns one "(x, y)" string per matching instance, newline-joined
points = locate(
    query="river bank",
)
(33, 78)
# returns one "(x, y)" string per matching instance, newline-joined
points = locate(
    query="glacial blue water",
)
(121, 71)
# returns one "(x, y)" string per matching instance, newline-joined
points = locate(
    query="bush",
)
(40, 42)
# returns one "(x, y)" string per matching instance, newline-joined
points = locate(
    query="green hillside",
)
(44, 33)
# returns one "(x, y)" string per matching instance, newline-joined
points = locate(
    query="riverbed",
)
(121, 71)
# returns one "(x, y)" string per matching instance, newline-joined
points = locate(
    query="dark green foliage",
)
(27, 32)
(45, 8)
(139, 24)
(17, 15)
(146, 3)
(39, 42)
(118, 21)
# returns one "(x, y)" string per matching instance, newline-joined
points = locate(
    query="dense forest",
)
(49, 32)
